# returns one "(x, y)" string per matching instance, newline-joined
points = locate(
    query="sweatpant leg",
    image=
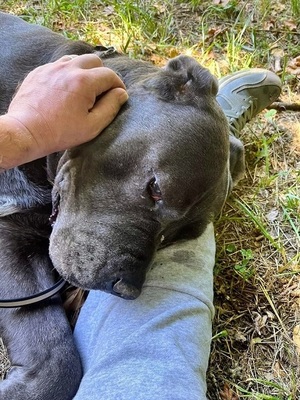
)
(157, 346)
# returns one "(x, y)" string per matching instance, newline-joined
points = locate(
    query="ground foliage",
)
(256, 344)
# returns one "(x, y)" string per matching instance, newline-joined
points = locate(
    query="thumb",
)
(106, 109)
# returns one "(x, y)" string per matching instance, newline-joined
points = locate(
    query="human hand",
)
(66, 103)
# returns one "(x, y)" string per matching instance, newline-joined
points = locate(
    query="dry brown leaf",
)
(212, 33)
(58, 25)
(296, 293)
(161, 8)
(260, 322)
(173, 52)
(278, 7)
(290, 25)
(278, 54)
(240, 337)
(220, 2)
(278, 371)
(75, 299)
(212, 55)
(272, 215)
(293, 66)
(294, 128)
(157, 59)
(269, 25)
(109, 10)
(296, 337)
(228, 394)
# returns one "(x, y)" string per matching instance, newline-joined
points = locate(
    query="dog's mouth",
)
(55, 210)
(53, 216)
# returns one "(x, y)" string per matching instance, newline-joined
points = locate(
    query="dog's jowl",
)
(159, 173)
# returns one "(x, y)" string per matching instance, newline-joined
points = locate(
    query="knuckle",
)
(80, 79)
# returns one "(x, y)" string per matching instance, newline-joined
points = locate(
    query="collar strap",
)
(35, 298)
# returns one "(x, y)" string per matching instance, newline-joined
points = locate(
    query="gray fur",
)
(18, 193)
(107, 222)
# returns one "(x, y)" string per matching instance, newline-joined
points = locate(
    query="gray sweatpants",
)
(157, 346)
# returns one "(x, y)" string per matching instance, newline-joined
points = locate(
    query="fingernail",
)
(123, 97)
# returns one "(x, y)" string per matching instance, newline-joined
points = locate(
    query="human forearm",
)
(16, 144)
(58, 106)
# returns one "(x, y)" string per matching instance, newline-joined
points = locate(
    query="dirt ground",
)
(256, 345)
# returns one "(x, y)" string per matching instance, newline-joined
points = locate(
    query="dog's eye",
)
(154, 190)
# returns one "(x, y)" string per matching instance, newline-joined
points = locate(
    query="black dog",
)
(159, 173)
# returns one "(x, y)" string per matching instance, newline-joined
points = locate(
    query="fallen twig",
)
(280, 106)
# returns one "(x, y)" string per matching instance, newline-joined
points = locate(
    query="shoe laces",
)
(246, 113)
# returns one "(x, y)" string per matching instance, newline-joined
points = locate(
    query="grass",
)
(257, 274)
(295, 8)
(4, 361)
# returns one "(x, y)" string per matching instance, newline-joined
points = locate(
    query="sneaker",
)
(244, 94)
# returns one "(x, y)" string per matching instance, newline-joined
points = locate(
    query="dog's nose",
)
(126, 290)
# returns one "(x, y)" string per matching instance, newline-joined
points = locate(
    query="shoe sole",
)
(260, 77)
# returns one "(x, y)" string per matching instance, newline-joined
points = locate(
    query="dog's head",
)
(159, 173)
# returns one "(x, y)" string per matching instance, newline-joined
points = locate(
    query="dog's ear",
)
(237, 159)
(184, 80)
(192, 75)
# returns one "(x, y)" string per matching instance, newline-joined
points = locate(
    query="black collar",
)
(35, 298)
